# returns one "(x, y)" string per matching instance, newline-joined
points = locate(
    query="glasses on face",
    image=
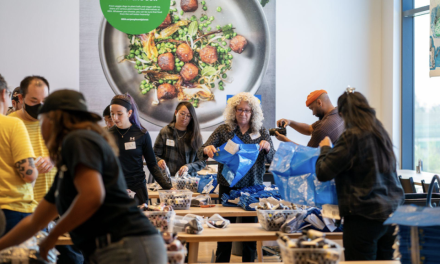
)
(184, 115)
(246, 111)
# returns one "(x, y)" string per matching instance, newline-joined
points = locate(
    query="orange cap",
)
(313, 96)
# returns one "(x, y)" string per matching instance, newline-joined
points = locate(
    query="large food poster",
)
(201, 53)
(434, 39)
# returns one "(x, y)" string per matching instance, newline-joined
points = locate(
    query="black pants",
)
(366, 239)
(140, 189)
(223, 253)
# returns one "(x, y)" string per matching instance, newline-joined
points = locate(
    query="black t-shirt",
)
(181, 160)
(118, 215)
(132, 146)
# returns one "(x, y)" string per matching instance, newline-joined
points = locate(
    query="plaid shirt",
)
(255, 175)
(362, 189)
(331, 125)
(171, 153)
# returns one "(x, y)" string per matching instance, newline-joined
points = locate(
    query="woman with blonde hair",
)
(243, 118)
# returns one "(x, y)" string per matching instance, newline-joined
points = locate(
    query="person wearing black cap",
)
(134, 142)
(16, 104)
(89, 191)
(107, 118)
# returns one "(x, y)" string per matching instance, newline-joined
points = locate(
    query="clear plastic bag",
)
(217, 221)
(201, 200)
(28, 252)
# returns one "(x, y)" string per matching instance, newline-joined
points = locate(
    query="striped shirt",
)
(331, 125)
(44, 180)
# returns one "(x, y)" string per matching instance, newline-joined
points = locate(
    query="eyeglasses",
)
(183, 115)
(246, 111)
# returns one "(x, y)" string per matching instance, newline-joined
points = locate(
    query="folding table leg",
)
(193, 254)
(260, 251)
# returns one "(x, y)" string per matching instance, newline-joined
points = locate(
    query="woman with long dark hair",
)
(177, 144)
(363, 164)
(89, 191)
(134, 142)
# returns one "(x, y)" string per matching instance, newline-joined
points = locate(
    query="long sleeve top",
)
(133, 144)
(361, 188)
(255, 175)
(176, 152)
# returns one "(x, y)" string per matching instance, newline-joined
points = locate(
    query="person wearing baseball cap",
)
(329, 124)
(89, 191)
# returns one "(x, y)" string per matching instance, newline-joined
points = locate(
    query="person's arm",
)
(332, 161)
(26, 169)
(150, 159)
(212, 142)
(302, 128)
(159, 146)
(196, 165)
(91, 193)
(29, 226)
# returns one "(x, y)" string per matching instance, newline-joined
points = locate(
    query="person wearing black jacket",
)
(134, 144)
(89, 191)
(363, 164)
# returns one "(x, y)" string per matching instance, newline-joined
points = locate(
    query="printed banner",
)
(434, 39)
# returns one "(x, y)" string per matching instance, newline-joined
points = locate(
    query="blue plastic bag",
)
(237, 165)
(205, 180)
(293, 167)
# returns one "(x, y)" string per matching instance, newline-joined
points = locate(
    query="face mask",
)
(32, 110)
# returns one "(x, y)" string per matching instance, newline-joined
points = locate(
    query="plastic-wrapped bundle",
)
(28, 252)
(248, 195)
(207, 183)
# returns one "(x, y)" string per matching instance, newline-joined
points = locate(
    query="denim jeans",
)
(132, 250)
(13, 218)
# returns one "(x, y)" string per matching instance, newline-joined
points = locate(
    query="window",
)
(427, 101)
(420, 103)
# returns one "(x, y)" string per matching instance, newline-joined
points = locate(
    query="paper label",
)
(232, 147)
(170, 142)
(130, 145)
(255, 135)
(330, 211)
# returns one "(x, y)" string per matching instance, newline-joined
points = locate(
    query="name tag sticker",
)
(170, 142)
(255, 135)
(130, 145)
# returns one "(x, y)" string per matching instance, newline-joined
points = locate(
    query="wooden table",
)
(218, 209)
(155, 195)
(237, 232)
(341, 262)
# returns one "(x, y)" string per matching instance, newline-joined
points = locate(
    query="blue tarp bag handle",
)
(431, 188)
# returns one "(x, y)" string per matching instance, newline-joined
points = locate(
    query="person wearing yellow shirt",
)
(34, 89)
(17, 168)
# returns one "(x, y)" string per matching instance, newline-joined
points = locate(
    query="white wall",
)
(321, 44)
(327, 45)
(42, 38)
